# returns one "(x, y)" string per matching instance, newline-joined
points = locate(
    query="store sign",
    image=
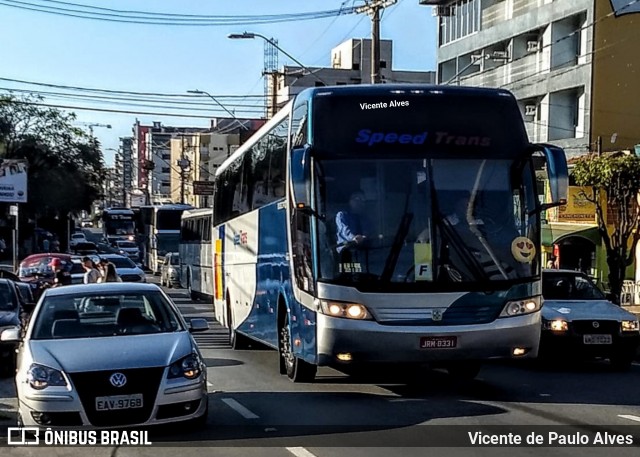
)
(578, 208)
(13, 181)
(203, 187)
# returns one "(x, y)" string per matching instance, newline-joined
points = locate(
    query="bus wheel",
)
(466, 370)
(192, 294)
(236, 340)
(296, 369)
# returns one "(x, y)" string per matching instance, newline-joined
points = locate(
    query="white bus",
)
(160, 233)
(386, 224)
(196, 261)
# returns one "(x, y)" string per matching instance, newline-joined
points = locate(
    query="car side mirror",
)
(10, 335)
(198, 325)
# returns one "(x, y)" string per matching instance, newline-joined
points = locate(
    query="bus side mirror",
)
(301, 177)
(557, 173)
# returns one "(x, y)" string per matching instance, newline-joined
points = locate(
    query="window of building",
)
(463, 20)
(166, 169)
(320, 84)
(355, 66)
(166, 184)
(166, 156)
(383, 64)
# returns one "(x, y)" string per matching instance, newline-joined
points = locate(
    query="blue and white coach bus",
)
(336, 239)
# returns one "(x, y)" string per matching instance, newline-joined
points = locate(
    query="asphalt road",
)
(256, 411)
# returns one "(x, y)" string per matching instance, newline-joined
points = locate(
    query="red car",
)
(37, 271)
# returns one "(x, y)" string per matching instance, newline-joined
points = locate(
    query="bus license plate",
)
(597, 339)
(438, 342)
(118, 402)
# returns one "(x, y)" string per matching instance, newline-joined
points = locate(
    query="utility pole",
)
(372, 8)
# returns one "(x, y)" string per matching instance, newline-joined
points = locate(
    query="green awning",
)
(552, 233)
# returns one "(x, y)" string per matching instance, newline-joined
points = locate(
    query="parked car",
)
(170, 270)
(578, 320)
(126, 269)
(84, 248)
(77, 237)
(9, 318)
(153, 372)
(128, 248)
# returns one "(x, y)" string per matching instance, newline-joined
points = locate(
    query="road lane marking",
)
(630, 417)
(237, 407)
(300, 452)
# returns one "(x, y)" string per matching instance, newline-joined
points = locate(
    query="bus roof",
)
(363, 89)
(197, 213)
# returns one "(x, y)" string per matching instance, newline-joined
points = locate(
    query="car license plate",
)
(438, 342)
(118, 402)
(597, 339)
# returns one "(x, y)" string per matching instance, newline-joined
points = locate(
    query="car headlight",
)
(630, 326)
(344, 309)
(556, 325)
(189, 367)
(41, 377)
(521, 307)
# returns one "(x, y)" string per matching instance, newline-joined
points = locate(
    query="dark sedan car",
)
(9, 318)
(578, 320)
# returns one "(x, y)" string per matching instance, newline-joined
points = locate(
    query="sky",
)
(69, 51)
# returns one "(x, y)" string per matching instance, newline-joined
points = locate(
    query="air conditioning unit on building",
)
(500, 55)
(533, 46)
(443, 10)
(529, 110)
(476, 58)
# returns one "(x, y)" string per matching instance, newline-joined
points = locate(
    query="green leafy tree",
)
(615, 180)
(65, 164)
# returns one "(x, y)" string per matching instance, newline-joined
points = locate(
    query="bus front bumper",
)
(350, 342)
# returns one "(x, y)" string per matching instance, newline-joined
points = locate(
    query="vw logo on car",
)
(118, 380)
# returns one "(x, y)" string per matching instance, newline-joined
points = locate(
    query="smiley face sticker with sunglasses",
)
(523, 249)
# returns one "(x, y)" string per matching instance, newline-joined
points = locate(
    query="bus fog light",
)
(519, 351)
(344, 357)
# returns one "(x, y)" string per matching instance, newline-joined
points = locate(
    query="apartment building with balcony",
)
(574, 67)
(200, 155)
(572, 64)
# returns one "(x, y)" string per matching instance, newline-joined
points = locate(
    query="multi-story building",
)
(573, 66)
(569, 63)
(124, 164)
(350, 64)
(199, 154)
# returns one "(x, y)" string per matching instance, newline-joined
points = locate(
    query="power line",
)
(112, 91)
(131, 18)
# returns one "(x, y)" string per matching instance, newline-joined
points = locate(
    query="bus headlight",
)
(344, 309)
(521, 307)
(630, 326)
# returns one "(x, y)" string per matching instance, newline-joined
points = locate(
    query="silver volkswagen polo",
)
(109, 355)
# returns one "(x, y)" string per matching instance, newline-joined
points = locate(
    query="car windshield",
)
(569, 286)
(7, 297)
(121, 262)
(101, 315)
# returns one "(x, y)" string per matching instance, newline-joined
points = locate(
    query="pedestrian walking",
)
(92, 275)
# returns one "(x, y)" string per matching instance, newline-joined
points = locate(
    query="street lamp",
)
(252, 35)
(202, 92)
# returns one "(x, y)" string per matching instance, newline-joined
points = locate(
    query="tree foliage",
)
(65, 164)
(615, 179)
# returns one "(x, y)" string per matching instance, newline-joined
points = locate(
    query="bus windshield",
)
(119, 227)
(168, 219)
(425, 221)
(167, 242)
